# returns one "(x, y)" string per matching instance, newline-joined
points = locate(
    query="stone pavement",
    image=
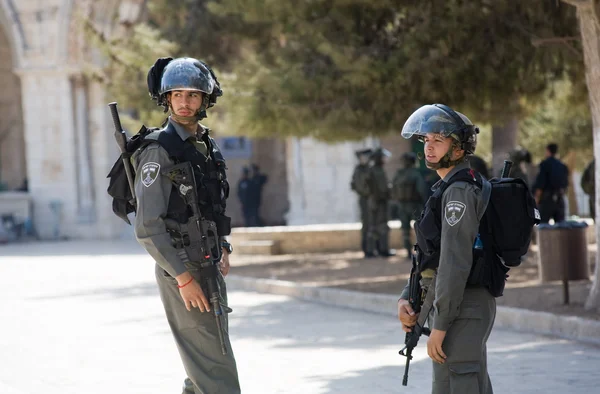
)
(83, 317)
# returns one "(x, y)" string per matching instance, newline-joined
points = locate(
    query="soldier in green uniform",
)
(462, 315)
(410, 192)
(360, 185)
(186, 87)
(379, 196)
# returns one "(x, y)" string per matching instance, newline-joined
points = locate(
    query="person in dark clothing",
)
(550, 186)
(257, 183)
(588, 184)
(243, 192)
(360, 185)
(379, 196)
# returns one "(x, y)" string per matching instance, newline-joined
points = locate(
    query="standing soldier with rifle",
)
(180, 190)
(460, 311)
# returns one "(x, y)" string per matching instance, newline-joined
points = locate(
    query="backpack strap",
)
(487, 193)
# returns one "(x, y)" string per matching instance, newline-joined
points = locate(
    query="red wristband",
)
(186, 283)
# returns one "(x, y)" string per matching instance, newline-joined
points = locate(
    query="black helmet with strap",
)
(443, 120)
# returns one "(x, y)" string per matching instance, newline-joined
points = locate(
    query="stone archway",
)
(13, 170)
(68, 147)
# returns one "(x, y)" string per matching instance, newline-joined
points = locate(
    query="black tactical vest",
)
(211, 179)
(428, 228)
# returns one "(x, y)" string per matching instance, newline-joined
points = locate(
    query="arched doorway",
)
(13, 170)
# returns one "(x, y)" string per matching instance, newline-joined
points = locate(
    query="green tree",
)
(338, 69)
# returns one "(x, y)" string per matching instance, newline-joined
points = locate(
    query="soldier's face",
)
(185, 102)
(435, 147)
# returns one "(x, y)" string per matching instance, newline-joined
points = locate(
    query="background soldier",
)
(379, 195)
(257, 184)
(360, 185)
(187, 87)
(550, 186)
(410, 191)
(243, 191)
(462, 316)
(588, 184)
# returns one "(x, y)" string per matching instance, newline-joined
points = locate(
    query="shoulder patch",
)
(150, 172)
(454, 211)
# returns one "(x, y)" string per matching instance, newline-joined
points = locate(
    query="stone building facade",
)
(53, 117)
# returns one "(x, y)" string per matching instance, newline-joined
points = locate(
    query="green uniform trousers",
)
(465, 369)
(197, 338)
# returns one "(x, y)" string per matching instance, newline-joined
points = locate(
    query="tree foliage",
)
(563, 118)
(339, 69)
(342, 68)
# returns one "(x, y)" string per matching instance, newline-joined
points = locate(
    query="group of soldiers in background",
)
(408, 191)
(406, 195)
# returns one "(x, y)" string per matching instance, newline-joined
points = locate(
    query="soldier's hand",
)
(224, 263)
(406, 315)
(434, 346)
(191, 293)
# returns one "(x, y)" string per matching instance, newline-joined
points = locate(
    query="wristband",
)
(186, 283)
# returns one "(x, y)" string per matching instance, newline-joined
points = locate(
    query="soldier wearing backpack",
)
(173, 210)
(460, 314)
(360, 185)
(378, 233)
(410, 192)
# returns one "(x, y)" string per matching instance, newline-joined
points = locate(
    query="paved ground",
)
(76, 322)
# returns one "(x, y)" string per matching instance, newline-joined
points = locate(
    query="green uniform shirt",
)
(152, 191)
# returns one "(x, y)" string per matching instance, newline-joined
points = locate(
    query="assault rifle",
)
(416, 298)
(199, 240)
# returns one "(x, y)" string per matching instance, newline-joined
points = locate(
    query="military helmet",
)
(380, 152)
(443, 120)
(363, 152)
(184, 73)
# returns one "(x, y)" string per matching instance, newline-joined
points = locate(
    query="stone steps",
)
(261, 247)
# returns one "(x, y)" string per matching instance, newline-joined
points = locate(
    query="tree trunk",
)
(504, 140)
(590, 34)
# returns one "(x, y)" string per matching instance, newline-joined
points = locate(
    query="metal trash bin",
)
(560, 244)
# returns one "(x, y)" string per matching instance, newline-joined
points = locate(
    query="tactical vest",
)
(209, 172)
(428, 228)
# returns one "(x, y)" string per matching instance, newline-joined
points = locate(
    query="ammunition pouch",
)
(187, 237)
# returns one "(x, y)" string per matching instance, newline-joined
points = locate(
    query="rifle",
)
(416, 298)
(199, 240)
(121, 139)
(506, 169)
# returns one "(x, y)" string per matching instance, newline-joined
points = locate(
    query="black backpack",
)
(505, 228)
(118, 187)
